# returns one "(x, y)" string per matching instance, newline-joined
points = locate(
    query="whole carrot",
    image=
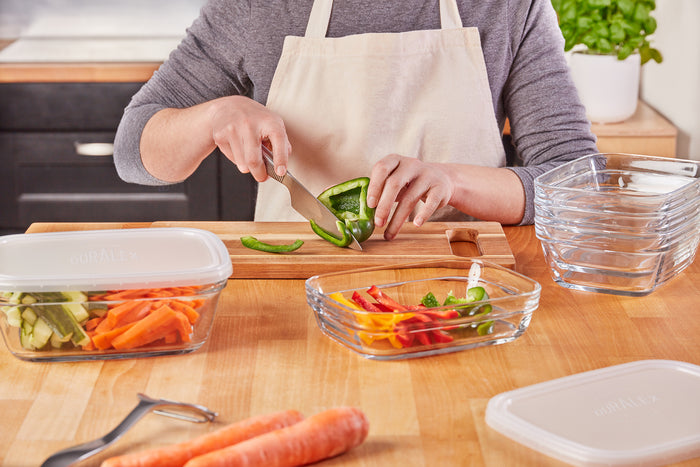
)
(177, 455)
(319, 437)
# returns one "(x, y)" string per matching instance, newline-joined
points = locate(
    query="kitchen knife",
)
(304, 202)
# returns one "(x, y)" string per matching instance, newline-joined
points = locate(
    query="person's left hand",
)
(406, 181)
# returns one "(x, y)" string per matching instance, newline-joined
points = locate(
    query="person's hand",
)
(406, 180)
(240, 125)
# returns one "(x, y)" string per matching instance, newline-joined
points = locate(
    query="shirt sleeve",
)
(207, 64)
(547, 120)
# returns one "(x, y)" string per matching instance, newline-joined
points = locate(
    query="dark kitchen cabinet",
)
(57, 166)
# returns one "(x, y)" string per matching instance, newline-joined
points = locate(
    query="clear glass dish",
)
(500, 315)
(201, 301)
(591, 218)
(109, 294)
(621, 183)
(614, 241)
(578, 266)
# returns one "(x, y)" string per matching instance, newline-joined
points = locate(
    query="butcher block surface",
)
(433, 240)
(484, 240)
(266, 353)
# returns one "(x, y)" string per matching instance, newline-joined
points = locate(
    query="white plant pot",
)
(608, 87)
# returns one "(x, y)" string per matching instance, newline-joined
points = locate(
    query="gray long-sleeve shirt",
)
(234, 46)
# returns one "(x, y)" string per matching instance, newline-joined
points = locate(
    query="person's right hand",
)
(240, 125)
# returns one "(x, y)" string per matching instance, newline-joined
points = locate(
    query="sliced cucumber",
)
(76, 309)
(48, 297)
(41, 333)
(56, 318)
(14, 315)
(29, 316)
(16, 298)
(75, 296)
(25, 338)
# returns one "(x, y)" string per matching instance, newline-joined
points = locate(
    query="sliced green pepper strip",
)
(343, 241)
(430, 301)
(255, 244)
(348, 201)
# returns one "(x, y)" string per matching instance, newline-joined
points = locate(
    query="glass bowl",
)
(618, 223)
(494, 305)
(621, 183)
(576, 265)
(110, 294)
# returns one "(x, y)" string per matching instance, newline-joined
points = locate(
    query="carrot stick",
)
(127, 294)
(103, 341)
(188, 310)
(151, 328)
(172, 338)
(124, 313)
(319, 437)
(92, 323)
(178, 454)
(183, 326)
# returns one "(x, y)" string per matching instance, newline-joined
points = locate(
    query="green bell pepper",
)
(348, 201)
(344, 240)
(255, 244)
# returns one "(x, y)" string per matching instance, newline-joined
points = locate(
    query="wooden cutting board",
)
(433, 240)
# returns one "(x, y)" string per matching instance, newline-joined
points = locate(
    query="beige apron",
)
(347, 102)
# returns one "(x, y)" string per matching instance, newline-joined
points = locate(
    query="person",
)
(412, 93)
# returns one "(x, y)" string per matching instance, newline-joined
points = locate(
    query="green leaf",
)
(650, 25)
(604, 45)
(624, 52)
(584, 22)
(567, 13)
(601, 30)
(626, 6)
(599, 3)
(641, 12)
(617, 33)
(590, 40)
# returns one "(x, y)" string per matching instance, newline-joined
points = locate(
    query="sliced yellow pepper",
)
(380, 321)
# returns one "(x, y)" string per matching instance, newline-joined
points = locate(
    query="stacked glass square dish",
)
(618, 223)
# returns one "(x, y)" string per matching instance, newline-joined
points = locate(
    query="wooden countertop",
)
(267, 353)
(76, 72)
(109, 72)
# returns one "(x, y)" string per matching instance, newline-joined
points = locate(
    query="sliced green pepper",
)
(255, 244)
(343, 241)
(348, 201)
(430, 301)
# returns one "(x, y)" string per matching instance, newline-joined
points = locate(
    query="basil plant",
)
(609, 27)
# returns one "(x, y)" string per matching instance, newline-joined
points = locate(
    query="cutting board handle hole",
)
(464, 242)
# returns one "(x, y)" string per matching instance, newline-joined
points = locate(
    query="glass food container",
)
(424, 308)
(110, 294)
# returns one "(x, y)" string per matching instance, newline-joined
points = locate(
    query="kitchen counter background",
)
(47, 31)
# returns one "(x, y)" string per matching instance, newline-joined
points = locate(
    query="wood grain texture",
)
(266, 353)
(76, 72)
(484, 240)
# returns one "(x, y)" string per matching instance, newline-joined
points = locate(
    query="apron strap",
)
(321, 15)
(449, 15)
(319, 18)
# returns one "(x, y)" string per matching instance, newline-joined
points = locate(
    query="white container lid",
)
(112, 259)
(639, 413)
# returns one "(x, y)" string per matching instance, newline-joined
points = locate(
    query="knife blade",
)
(304, 202)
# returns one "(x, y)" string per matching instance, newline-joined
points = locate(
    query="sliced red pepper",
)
(364, 303)
(384, 299)
(383, 307)
(441, 314)
(404, 337)
(441, 336)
